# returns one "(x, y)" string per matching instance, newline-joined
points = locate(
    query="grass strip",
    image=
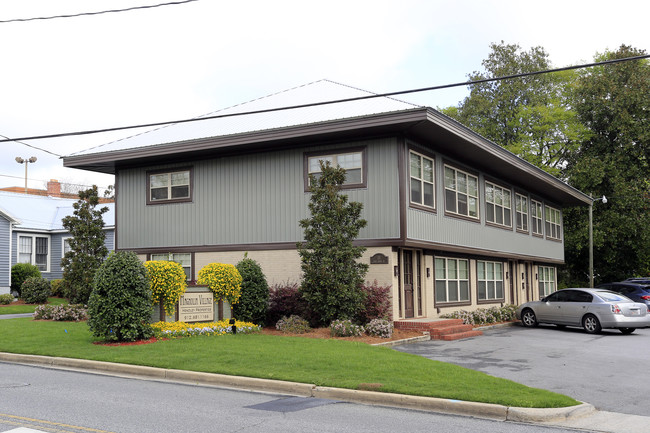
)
(333, 363)
(28, 308)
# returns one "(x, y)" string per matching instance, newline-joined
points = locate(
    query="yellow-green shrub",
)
(223, 280)
(168, 283)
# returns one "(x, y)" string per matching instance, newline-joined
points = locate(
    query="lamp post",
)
(591, 238)
(19, 160)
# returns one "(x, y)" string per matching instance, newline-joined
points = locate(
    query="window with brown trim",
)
(498, 205)
(422, 185)
(172, 186)
(184, 259)
(352, 160)
(490, 280)
(521, 209)
(461, 192)
(553, 223)
(452, 280)
(536, 218)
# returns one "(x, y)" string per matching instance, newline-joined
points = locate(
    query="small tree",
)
(20, 272)
(332, 276)
(223, 280)
(119, 307)
(87, 249)
(168, 283)
(254, 300)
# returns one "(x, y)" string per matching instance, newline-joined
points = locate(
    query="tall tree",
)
(332, 276)
(530, 116)
(87, 248)
(613, 101)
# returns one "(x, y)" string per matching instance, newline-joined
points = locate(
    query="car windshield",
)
(611, 296)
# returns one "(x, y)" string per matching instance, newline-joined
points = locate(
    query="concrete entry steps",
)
(446, 329)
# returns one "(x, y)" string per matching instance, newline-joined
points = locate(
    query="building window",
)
(353, 161)
(34, 250)
(553, 223)
(452, 280)
(536, 217)
(498, 205)
(422, 180)
(521, 209)
(184, 259)
(169, 186)
(461, 193)
(546, 278)
(490, 280)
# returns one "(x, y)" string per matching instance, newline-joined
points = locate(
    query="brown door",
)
(409, 310)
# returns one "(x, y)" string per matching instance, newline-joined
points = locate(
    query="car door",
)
(577, 305)
(549, 309)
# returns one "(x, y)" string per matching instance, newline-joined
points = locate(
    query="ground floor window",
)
(490, 280)
(452, 280)
(184, 259)
(34, 250)
(546, 278)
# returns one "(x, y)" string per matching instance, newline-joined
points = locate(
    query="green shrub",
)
(120, 307)
(62, 313)
(6, 299)
(380, 328)
(254, 300)
(57, 287)
(20, 272)
(35, 290)
(345, 328)
(294, 324)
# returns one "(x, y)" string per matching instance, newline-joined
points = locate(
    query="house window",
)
(536, 218)
(422, 180)
(184, 259)
(553, 223)
(461, 193)
(546, 278)
(521, 209)
(490, 280)
(34, 250)
(498, 205)
(352, 161)
(171, 186)
(66, 246)
(452, 280)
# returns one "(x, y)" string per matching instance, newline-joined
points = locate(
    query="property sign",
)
(196, 307)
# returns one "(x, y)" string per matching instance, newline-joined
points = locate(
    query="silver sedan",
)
(592, 309)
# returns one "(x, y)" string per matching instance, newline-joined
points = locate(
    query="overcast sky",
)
(180, 61)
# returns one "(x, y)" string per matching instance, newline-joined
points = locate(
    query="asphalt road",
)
(72, 402)
(606, 370)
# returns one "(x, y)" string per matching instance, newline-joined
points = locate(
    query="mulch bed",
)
(398, 334)
(129, 343)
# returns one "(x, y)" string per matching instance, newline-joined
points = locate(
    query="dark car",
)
(635, 290)
(638, 280)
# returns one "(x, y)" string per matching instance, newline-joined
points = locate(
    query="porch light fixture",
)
(19, 160)
(591, 238)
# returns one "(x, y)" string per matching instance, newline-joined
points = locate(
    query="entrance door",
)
(409, 309)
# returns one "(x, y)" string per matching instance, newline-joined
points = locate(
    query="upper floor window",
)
(521, 209)
(169, 186)
(461, 192)
(184, 259)
(553, 223)
(352, 161)
(536, 218)
(34, 250)
(490, 280)
(452, 280)
(422, 180)
(546, 278)
(498, 205)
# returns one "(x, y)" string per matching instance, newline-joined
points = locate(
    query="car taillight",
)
(616, 309)
(645, 297)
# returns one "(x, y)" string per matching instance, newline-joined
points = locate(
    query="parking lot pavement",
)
(606, 370)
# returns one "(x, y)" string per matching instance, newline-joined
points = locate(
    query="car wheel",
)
(528, 318)
(591, 324)
(627, 331)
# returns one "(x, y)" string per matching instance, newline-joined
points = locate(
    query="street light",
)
(19, 160)
(591, 238)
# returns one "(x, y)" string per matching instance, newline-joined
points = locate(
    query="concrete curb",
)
(429, 404)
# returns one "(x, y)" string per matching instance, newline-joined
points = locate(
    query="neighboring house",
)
(454, 220)
(31, 231)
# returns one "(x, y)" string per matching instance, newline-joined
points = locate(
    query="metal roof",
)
(344, 119)
(43, 213)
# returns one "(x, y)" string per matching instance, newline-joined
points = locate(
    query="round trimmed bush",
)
(20, 272)
(168, 283)
(119, 307)
(223, 280)
(254, 300)
(35, 290)
(6, 299)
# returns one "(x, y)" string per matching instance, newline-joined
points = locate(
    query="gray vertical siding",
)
(5, 265)
(251, 199)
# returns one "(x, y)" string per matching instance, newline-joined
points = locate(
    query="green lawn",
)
(322, 362)
(28, 308)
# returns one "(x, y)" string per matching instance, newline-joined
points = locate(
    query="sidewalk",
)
(584, 417)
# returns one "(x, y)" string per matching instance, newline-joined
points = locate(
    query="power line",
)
(95, 13)
(32, 146)
(337, 101)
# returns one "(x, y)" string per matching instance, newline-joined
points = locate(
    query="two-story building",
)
(454, 220)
